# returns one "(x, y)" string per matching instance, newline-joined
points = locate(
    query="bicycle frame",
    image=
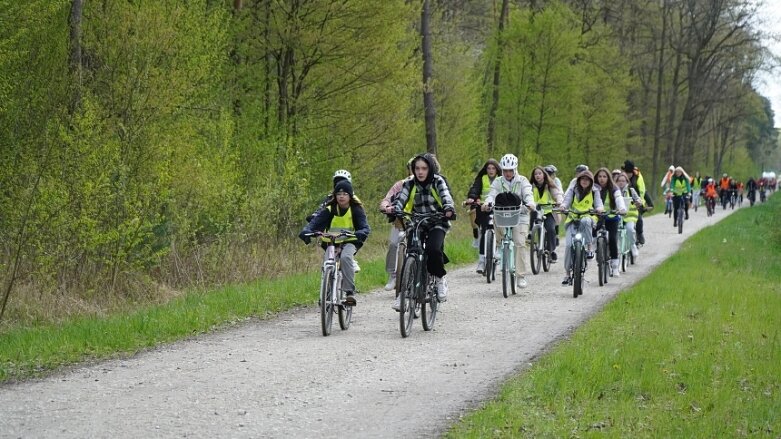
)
(331, 283)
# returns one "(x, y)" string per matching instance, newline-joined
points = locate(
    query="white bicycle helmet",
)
(580, 168)
(550, 169)
(343, 173)
(508, 161)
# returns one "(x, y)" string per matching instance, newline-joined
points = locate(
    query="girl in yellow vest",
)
(633, 201)
(613, 200)
(582, 196)
(545, 191)
(477, 192)
(343, 213)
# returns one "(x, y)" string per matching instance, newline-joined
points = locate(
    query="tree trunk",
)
(77, 7)
(428, 92)
(659, 91)
(491, 137)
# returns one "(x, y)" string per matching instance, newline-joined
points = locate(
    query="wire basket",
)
(507, 216)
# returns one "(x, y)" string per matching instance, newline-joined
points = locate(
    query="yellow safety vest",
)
(411, 199)
(342, 223)
(545, 198)
(680, 187)
(581, 205)
(486, 186)
(631, 213)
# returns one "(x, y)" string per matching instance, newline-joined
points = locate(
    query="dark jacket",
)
(322, 221)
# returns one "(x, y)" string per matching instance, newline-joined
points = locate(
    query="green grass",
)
(693, 350)
(34, 351)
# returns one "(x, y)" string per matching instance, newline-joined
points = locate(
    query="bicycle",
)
(679, 213)
(331, 294)
(539, 248)
(624, 247)
(418, 289)
(603, 253)
(710, 204)
(579, 263)
(507, 217)
(733, 196)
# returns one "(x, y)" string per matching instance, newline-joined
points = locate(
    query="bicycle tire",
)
(601, 267)
(488, 242)
(624, 257)
(429, 307)
(679, 214)
(345, 312)
(400, 258)
(577, 270)
(326, 304)
(631, 258)
(505, 270)
(408, 298)
(535, 250)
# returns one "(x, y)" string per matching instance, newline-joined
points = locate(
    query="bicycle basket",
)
(509, 216)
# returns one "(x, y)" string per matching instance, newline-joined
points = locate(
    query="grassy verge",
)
(34, 351)
(694, 350)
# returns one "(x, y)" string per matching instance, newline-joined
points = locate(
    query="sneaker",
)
(441, 283)
(476, 243)
(589, 254)
(397, 303)
(640, 239)
(356, 267)
(614, 267)
(553, 257)
(481, 266)
(350, 298)
(565, 281)
(522, 282)
(391, 285)
(635, 251)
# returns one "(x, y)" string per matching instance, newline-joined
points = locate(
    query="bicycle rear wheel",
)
(577, 270)
(546, 251)
(407, 310)
(326, 301)
(490, 267)
(535, 250)
(506, 271)
(345, 312)
(429, 307)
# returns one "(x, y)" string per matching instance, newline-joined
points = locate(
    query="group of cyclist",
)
(610, 197)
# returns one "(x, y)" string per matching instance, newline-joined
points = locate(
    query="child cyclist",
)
(428, 192)
(513, 186)
(582, 196)
(479, 191)
(343, 213)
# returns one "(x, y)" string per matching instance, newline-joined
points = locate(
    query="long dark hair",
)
(606, 192)
(547, 182)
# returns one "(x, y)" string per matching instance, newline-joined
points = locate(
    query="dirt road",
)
(281, 378)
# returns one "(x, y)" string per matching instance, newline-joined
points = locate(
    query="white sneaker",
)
(397, 303)
(635, 251)
(356, 267)
(614, 267)
(481, 265)
(476, 243)
(522, 282)
(391, 283)
(441, 284)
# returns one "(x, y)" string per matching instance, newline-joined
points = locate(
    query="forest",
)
(153, 145)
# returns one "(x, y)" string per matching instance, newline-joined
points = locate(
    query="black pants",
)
(482, 220)
(677, 200)
(611, 224)
(435, 252)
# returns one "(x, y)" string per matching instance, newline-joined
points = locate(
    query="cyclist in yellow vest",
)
(545, 191)
(477, 192)
(633, 202)
(386, 206)
(680, 188)
(428, 192)
(582, 197)
(515, 187)
(343, 213)
(612, 200)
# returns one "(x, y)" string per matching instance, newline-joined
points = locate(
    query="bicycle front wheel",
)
(577, 270)
(506, 271)
(407, 309)
(680, 220)
(488, 252)
(429, 307)
(546, 252)
(535, 249)
(326, 301)
(601, 260)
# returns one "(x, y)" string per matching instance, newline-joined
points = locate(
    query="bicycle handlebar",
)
(332, 237)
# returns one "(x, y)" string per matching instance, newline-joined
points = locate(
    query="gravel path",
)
(281, 378)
